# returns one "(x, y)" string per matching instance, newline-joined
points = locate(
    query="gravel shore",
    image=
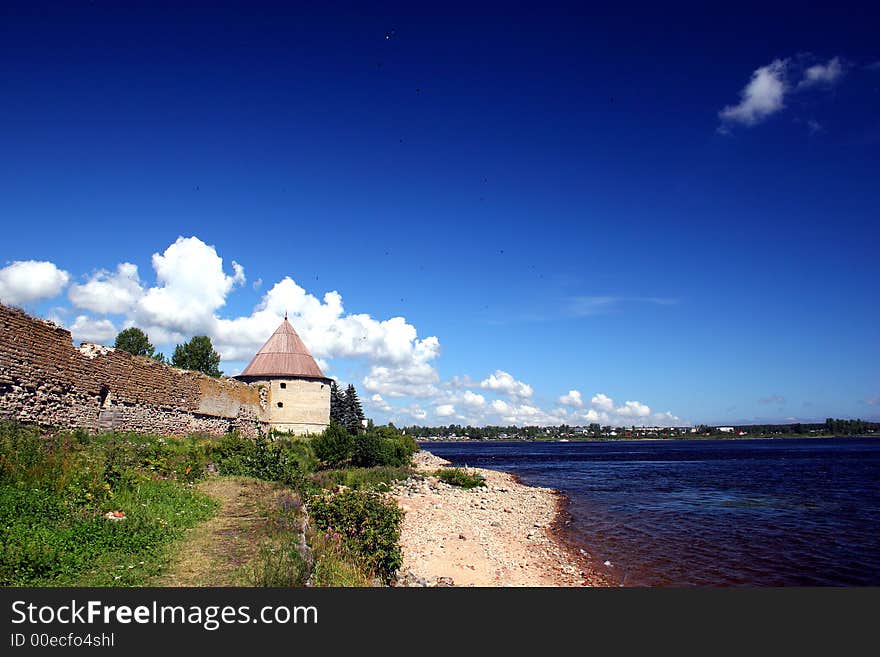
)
(498, 535)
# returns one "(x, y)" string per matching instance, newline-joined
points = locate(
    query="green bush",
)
(460, 477)
(259, 458)
(334, 447)
(365, 524)
(383, 446)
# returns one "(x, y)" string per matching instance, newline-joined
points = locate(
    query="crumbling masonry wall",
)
(45, 380)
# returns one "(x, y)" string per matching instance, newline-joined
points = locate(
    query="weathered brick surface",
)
(45, 380)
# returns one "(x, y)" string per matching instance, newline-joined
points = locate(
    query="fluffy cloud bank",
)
(24, 281)
(397, 367)
(771, 85)
(451, 406)
(192, 285)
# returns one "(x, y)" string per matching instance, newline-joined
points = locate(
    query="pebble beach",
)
(501, 534)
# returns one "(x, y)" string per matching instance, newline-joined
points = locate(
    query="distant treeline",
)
(483, 433)
(831, 426)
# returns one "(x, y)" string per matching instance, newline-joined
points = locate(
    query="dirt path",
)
(213, 553)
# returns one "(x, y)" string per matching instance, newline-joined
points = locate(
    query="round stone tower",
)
(298, 392)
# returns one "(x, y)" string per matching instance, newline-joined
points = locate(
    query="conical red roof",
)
(284, 354)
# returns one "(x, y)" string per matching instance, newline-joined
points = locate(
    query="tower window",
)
(280, 404)
(283, 385)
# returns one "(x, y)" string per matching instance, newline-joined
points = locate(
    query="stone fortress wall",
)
(46, 380)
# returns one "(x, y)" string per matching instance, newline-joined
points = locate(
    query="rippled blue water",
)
(710, 513)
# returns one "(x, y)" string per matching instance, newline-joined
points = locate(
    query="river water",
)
(709, 512)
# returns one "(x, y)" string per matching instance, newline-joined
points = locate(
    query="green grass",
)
(460, 477)
(333, 565)
(54, 492)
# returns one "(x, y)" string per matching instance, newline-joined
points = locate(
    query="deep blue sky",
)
(543, 188)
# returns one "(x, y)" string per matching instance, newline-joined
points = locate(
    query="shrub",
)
(258, 458)
(367, 525)
(334, 447)
(383, 446)
(460, 477)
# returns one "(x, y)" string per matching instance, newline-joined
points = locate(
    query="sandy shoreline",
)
(504, 534)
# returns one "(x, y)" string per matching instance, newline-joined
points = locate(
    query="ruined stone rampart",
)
(46, 380)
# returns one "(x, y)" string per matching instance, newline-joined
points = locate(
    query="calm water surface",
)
(716, 513)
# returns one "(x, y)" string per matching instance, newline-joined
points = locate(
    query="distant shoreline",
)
(628, 439)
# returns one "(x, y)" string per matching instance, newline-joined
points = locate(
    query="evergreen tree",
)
(198, 354)
(337, 404)
(354, 414)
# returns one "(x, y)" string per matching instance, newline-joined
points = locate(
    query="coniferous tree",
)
(354, 413)
(337, 404)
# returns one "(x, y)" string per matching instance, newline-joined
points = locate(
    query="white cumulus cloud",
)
(444, 410)
(602, 402)
(107, 292)
(24, 281)
(572, 398)
(504, 382)
(90, 329)
(822, 74)
(416, 380)
(633, 409)
(762, 96)
(377, 402)
(191, 287)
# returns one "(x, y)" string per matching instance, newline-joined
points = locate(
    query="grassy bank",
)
(56, 493)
